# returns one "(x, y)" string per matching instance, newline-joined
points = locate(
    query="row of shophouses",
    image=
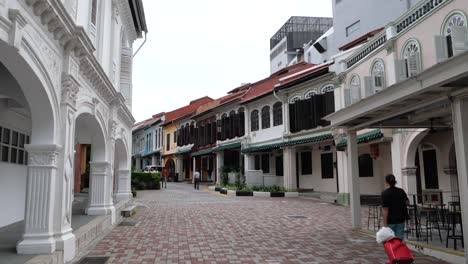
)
(394, 100)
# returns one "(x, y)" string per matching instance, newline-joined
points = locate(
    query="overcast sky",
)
(207, 47)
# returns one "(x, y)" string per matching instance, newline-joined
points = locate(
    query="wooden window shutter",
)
(370, 89)
(242, 124)
(441, 48)
(347, 97)
(400, 70)
(459, 40)
(292, 118)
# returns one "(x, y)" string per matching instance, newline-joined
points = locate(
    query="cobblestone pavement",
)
(181, 225)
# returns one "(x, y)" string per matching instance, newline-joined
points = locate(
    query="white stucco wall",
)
(315, 181)
(12, 192)
(267, 134)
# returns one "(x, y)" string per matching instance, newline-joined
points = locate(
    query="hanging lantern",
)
(374, 151)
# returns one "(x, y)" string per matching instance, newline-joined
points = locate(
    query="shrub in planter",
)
(146, 181)
(223, 173)
(223, 191)
(217, 189)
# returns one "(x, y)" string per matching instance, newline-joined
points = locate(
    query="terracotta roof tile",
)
(186, 110)
(220, 101)
(360, 40)
(281, 77)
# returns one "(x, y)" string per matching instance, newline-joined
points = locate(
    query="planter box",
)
(261, 194)
(223, 191)
(291, 194)
(277, 194)
(218, 189)
(231, 193)
(211, 188)
(244, 193)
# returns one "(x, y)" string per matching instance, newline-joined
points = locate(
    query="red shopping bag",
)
(398, 252)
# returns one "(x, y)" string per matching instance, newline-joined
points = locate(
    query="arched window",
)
(412, 59)
(232, 126)
(327, 88)
(309, 94)
(254, 120)
(294, 99)
(366, 166)
(454, 33)
(355, 86)
(241, 122)
(277, 114)
(266, 117)
(378, 75)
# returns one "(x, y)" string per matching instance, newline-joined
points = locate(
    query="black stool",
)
(454, 218)
(431, 217)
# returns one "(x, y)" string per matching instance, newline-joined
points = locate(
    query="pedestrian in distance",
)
(196, 180)
(394, 207)
(164, 180)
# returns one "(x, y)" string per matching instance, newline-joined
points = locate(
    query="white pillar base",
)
(31, 245)
(67, 244)
(123, 196)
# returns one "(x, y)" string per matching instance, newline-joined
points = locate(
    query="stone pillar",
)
(38, 237)
(409, 176)
(180, 167)
(138, 164)
(124, 191)
(99, 193)
(452, 173)
(460, 130)
(219, 165)
(353, 180)
(286, 116)
(289, 165)
(396, 160)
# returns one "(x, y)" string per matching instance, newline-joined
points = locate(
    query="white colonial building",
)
(65, 120)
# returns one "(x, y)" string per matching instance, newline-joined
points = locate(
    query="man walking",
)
(394, 202)
(196, 180)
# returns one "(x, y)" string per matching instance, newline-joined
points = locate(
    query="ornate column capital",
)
(43, 155)
(99, 168)
(450, 171)
(70, 89)
(409, 171)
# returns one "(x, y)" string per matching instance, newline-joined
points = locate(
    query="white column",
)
(99, 202)
(409, 177)
(452, 173)
(396, 161)
(460, 130)
(219, 164)
(138, 164)
(286, 116)
(123, 191)
(180, 167)
(38, 237)
(289, 165)
(353, 180)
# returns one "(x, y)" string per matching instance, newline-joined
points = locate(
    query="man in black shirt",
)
(394, 202)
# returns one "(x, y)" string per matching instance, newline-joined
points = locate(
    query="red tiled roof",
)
(289, 74)
(220, 101)
(360, 40)
(147, 122)
(186, 110)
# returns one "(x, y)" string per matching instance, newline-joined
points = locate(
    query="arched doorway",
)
(96, 199)
(29, 148)
(121, 179)
(169, 169)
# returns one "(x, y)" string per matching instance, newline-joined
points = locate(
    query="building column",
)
(99, 193)
(353, 180)
(124, 191)
(289, 165)
(396, 161)
(138, 164)
(219, 165)
(460, 130)
(179, 167)
(452, 173)
(38, 236)
(409, 177)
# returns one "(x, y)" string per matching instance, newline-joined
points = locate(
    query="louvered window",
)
(254, 121)
(265, 117)
(277, 114)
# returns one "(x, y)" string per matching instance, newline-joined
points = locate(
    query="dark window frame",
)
(277, 114)
(327, 165)
(266, 119)
(306, 168)
(366, 169)
(254, 120)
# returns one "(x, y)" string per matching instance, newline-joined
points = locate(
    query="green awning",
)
(363, 138)
(228, 147)
(183, 152)
(202, 152)
(288, 143)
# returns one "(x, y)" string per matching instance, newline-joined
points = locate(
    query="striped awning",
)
(183, 152)
(228, 147)
(288, 143)
(363, 138)
(202, 152)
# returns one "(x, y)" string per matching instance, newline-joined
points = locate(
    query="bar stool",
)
(374, 215)
(431, 217)
(454, 218)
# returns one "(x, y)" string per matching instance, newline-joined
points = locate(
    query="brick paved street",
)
(180, 225)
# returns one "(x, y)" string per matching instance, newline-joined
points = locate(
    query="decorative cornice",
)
(98, 168)
(409, 171)
(126, 15)
(42, 155)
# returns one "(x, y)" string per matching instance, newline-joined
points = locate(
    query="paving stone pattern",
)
(181, 225)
